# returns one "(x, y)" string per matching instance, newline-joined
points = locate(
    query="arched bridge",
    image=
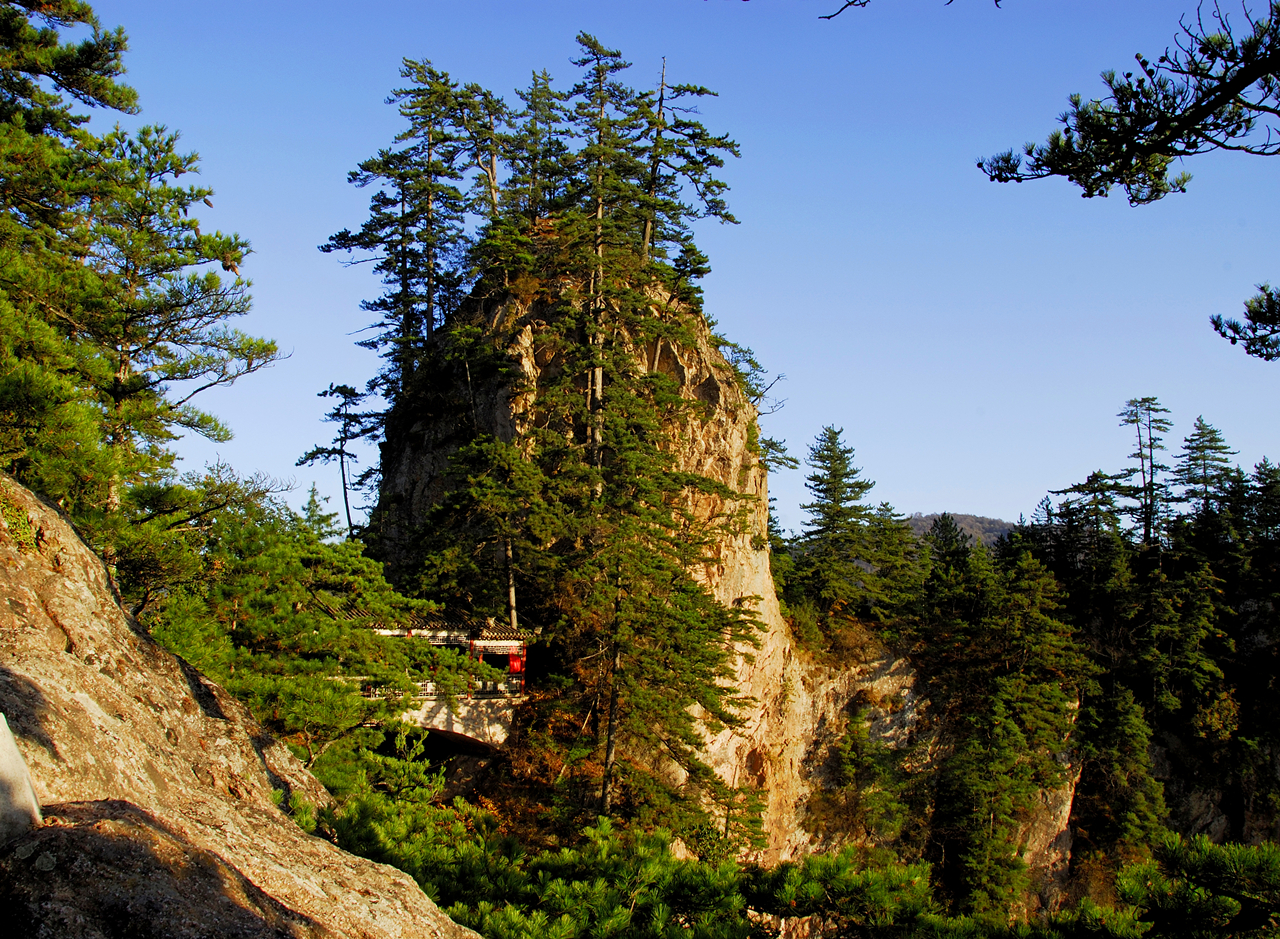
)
(485, 712)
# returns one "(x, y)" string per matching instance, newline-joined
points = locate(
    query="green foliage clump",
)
(114, 309)
(616, 881)
(853, 564)
(17, 523)
(863, 799)
(283, 617)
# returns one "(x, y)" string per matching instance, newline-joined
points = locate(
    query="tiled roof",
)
(495, 631)
(472, 627)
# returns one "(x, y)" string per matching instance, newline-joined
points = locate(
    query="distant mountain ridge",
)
(980, 528)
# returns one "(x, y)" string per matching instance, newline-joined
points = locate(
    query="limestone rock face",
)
(1047, 840)
(156, 784)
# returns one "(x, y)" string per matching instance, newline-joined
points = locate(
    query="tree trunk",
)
(596, 389)
(655, 164)
(431, 252)
(493, 168)
(346, 503)
(611, 736)
(511, 582)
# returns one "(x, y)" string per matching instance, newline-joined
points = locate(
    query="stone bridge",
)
(486, 720)
(484, 714)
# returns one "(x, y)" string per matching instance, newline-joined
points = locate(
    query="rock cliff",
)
(157, 787)
(799, 709)
(795, 705)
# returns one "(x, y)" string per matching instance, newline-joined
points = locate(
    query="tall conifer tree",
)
(835, 558)
(1146, 417)
(1204, 465)
(415, 235)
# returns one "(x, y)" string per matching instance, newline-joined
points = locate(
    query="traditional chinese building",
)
(489, 641)
(483, 712)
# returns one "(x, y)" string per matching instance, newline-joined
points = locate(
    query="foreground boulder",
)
(156, 786)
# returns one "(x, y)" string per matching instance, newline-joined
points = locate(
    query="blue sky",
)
(975, 341)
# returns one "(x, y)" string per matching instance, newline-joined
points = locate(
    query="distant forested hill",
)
(985, 530)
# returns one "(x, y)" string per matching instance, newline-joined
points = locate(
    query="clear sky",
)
(974, 340)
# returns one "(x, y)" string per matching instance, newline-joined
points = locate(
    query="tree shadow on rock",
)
(201, 690)
(110, 869)
(25, 707)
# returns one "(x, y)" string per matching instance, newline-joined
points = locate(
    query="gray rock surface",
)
(157, 785)
(19, 808)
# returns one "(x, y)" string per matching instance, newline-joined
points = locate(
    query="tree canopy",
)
(1216, 88)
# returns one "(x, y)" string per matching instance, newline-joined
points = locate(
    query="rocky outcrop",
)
(1046, 844)
(159, 790)
(792, 702)
(798, 708)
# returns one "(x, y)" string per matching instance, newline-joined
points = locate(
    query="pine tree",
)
(835, 559)
(1203, 465)
(37, 57)
(900, 568)
(1005, 676)
(538, 152)
(161, 322)
(115, 316)
(49, 426)
(605, 115)
(681, 157)
(1144, 416)
(415, 234)
(1264, 507)
(1119, 804)
(483, 118)
(352, 426)
(1192, 887)
(282, 617)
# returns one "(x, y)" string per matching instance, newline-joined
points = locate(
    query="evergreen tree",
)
(485, 540)
(1260, 330)
(538, 153)
(1005, 675)
(682, 157)
(160, 321)
(1264, 508)
(1119, 805)
(49, 426)
(483, 118)
(1177, 662)
(604, 193)
(835, 561)
(415, 234)
(113, 319)
(1144, 416)
(352, 425)
(1084, 544)
(1192, 887)
(900, 568)
(660, 638)
(1203, 465)
(947, 588)
(282, 617)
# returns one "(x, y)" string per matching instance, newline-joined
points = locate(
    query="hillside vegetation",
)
(1119, 647)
